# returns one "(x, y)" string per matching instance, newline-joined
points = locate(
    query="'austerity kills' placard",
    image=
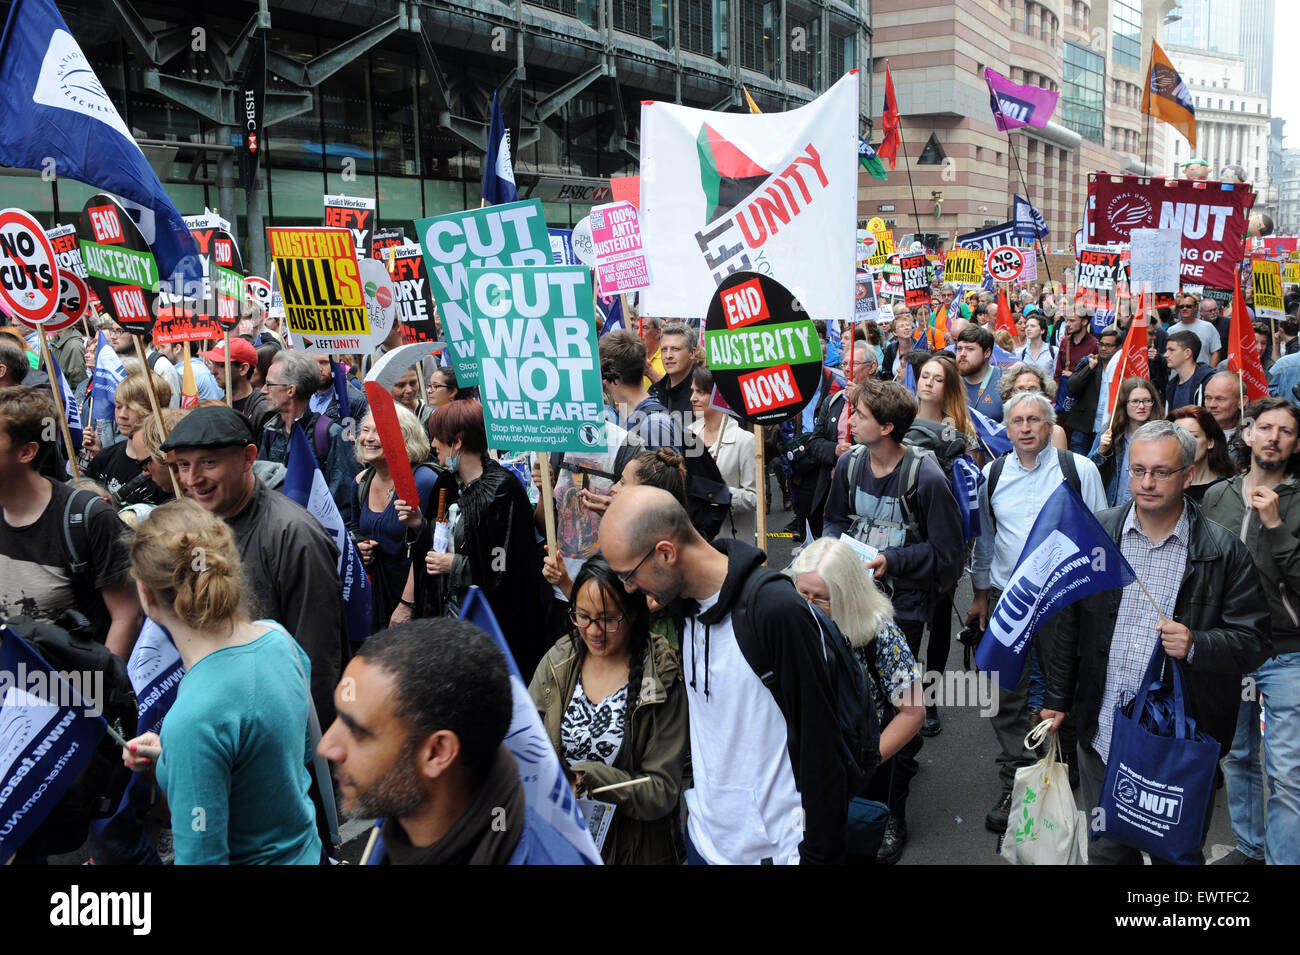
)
(535, 337)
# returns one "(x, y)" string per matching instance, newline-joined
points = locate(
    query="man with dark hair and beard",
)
(422, 711)
(1262, 507)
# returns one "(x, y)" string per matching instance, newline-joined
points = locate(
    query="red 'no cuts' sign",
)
(1005, 263)
(29, 276)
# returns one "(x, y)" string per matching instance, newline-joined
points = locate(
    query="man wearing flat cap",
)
(290, 562)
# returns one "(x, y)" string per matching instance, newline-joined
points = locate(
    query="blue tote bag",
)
(1160, 775)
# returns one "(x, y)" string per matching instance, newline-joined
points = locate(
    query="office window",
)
(645, 18)
(843, 54)
(932, 154)
(1083, 96)
(1126, 27)
(696, 26)
(760, 22)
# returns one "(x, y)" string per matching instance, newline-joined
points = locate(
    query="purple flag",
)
(1015, 106)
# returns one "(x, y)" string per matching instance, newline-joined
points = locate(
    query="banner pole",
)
(155, 405)
(58, 401)
(229, 385)
(760, 486)
(1038, 243)
(548, 503)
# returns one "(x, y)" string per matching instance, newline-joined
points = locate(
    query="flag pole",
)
(1038, 243)
(907, 165)
(154, 404)
(229, 384)
(58, 401)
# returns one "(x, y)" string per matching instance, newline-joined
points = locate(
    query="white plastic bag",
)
(1045, 827)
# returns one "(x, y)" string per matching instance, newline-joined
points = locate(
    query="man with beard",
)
(423, 709)
(981, 377)
(1262, 507)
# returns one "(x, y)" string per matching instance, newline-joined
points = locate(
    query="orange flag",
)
(1243, 350)
(1166, 96)
(1133, 360)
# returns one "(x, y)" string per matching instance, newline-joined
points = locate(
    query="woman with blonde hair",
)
(117, 464)
(830, 575)
(387, 528)
(233, 749)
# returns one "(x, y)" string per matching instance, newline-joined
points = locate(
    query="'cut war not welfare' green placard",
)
(513, 234)
(534, 335)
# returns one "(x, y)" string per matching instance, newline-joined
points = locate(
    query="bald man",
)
(770, 780)
(1223, 401)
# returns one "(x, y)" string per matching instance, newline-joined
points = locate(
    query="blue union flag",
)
(1067, 557)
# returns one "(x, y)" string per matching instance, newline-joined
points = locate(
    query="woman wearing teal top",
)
(233, 754)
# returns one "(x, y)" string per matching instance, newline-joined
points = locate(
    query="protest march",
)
(730, 519)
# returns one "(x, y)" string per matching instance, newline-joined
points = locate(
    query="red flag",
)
(1243, 350)
(888, 148)
(1133, 358)
(1005, 322)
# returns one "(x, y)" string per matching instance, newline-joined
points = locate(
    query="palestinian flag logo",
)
(727, 175)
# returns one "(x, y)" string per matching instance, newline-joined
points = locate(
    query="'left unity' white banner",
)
(775, 193)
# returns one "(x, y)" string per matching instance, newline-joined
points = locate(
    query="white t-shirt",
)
(744, 807)
(1206, 332)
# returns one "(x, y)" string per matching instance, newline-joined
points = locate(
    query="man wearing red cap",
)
(243, 362)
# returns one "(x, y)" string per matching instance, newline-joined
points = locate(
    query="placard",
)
(319, 281)
(1155, 260)
(509, 235)
(763, 350)
(916, 279)
(1005, 263)
(1098, 267)
(621, 264)
(535, 337)
(964, 267)
(29, 274)
(120, 268)
(1266, 276)
(357, 215)
(381, 299)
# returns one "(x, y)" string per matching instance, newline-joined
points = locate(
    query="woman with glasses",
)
(1137, 403)
(1027, 376)
(444, 390)
(829, 574)
(1213, 463)
(611, 698)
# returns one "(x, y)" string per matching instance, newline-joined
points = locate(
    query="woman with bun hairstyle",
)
(233, 752)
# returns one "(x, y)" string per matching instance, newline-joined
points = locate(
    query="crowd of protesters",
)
(664, 658)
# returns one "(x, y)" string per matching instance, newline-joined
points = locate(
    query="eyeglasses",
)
(823, 602)
(448, 387)
(1140, 402)
(275, 384)
(1160, 474)
(626, 579)
(582, 621)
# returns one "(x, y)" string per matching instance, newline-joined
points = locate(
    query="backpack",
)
(911, 466)
(1068, 469)
(154, 359)
(854, 711)
(708, 498)
(97, 791)
(76, 549)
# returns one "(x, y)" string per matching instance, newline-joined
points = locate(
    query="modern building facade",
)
(964, 172)
(1288, 193)
(1243, 28)
(390, 98)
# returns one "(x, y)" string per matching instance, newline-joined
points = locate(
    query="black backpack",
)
(942, 440)
(97, 790)
(708, 498)
(856, 714)
(1068, 469)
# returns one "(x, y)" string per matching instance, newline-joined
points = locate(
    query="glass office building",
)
(401, 118)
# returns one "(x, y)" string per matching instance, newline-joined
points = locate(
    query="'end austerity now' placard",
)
(535, 338)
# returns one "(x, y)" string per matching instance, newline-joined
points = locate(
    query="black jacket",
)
(1085, 388)
(790, 639)
(1190, 392)
(825, 439)
(1220, 602)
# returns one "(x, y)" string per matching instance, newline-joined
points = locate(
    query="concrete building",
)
(390, 98)
(964, 175)
(1288, 193)
(1233, 126)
